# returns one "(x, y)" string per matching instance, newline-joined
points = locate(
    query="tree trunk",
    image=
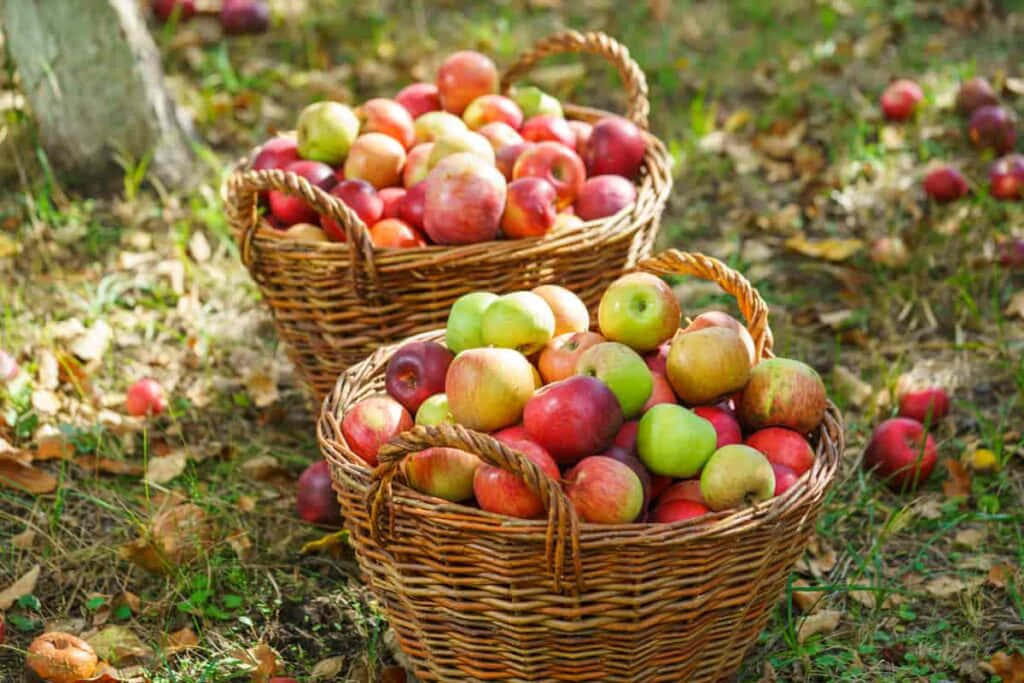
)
(91, 73)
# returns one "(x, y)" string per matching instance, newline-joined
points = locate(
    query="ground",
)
(783, 168)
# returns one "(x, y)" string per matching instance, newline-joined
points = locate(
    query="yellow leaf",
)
(119, 644)
(18, 475)
(23, 586)
(828, 249)
(332, 543)
(737, 120)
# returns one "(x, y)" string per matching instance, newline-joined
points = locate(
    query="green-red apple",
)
(604, 491)
(639, 310)
(623, 370)
(434, 411)
(458, 142)
(326, 130)
(558, 359)
(442, 472)
(736, 475)
(673, 441)
(533, 101)
(720, 319)
(487, 388)
(705, 365)
(783, 393)
(520, 320)
(434, 124)
(571, 313)
(463, 329)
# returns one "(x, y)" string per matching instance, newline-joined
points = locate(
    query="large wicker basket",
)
(335, 303)
(478, 596)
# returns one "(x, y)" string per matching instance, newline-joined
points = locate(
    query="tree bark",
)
(92, 76)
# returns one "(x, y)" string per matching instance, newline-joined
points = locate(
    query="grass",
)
(915, 594)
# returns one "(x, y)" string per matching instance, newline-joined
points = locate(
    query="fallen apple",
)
(926, 405)
(945, 184)
(974, 94)
(145, 397)
(315, 498)
(1006, 177)
(900, 99)
(901, 453)
(993, 127)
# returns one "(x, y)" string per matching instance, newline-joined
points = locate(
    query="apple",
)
(616, 147)
(500, 135)
(506, 157)
(305, 232)
(416, 168)
(417, 371)
(238, 17)
(900, 99)
(434, 124)
(463, 329)
(1011, 253)
(705, 365)
(785, 477)
(639, 310)
(359, 196)
(720, 319)
(371, 423)
(414, 204)
(548, 127)
(434, 411)
(736, 475)
(659, 483)
(419, 98)
(678, 511)
(488, 388)
(530, 208)
(376, 158)
(290, 209)
(604, 491)
(673, 441)
(632, 462)
(520, 320)
(566, 221)
(391, 198)
(463, 77)
(9, 368)
(901, 453)
(945, 183)
(687, 489)
(145, 397)
(783, 393)
(727, 427)
(623, 370)
(276, 153)
(492, 108)
(533, 102)
(927, 405)
(974, 94)
(165, 9)
(465, 200)
(555, 163)
(460, 142)
(571, 313)
(394, 233)
(442, 472)
(994, 127)
(1006, 177)
(505, 493)
(783, 447)
(381, 115)
(315, 498)
(604, 195)
(626, 436)
(890, 251)
(573, 418)
(326, 131)
(581, 130)
(657, 360)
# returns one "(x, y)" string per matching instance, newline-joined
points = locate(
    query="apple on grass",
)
(548, 127)
(434, 411)
(239, 17)
(901, 453)
(488, 388)
(783, 447)
(381, 115)
(376, 158)
(727, 427)
(326, 131)
(720, 319)
(465, 200)
(785, 477)
(492, 108)
(573, 418)
(944, 183)
(622, 370)
(434, 124)
(638, 310)
(706, 365)
(559, 357)
(442, 472)
(616, 147)
(678, 511)
(993, 127)
(394, 233)
(463, 328)
(604, 491)
(900, 99)
(505, 493)
(416, 160)
(460, 142)
(414, 204)
(315, 498)
(419, 98)
(1006, 177)
(736, 475)
(604, 195)
(144, 397)
(555, 163)
(571, 313)
(974, 94)
(276, 153)
(927, 405)
(417, 371)
(371, 423)
(519, 320)
(463, 77)
(673, 441)
(534, 101)
(362, 198)
(783, 393)
(530, 208)
(290, 209)
(391, 198)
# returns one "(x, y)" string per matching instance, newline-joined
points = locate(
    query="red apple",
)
(413, 205)
(659, 483)
(783, 447)
(419, 98)
(441, 472)
(371, 423)
(661, 392)
(571, 313)
(657, 359)
(1006, 177)
(901, 453)
(727, 427)
(391, 198)
(604, 491)
(145, 397)
(783, 393)
(785, 477)
(487, 388)
(994, 127)
(573, 418)
(720, 319)
(394, 233)
(616, 147)
(463, 77)
(290, 209)
(900, 99)
(185, 9)
(687, 489)
(582, 131)
(927, 406)
(548, 127)
(416, 164)
(276, 153)
(890, 251)
(359, 196)
(503, 492)
(626, 436)
(555, 163)
(381, 115)
(559, 357)
(417, 371)
(678, 511)
(465, 200)
(492, 108)
(500, 135)
(244, 16)
(530, 208)
(604, 195)
(376, 158)
(974, 94)
(945, 183)
(1011, 253)
(622, 455)
(315, 498)
(506, 157)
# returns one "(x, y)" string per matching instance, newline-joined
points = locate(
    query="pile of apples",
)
(236, 16)
(639, 421)
(453, 162)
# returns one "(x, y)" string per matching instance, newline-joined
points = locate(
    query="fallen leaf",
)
(45, 401)
(175, 272)
(928, 508)
(24, 540)
(107, 465)
(23, 586)
(51, 444)
(1016, 305)
(246, 503)
(1008, 667)
(851, 386)
(824, 621)
(969, 538)
(119, 645)
(18, 475)
(737, 120)
(945, 587)
(47, 370)
(959, 482)
(818, 559)
(327, 669)
(94, 343)
(199, 247)
(241, 544)
(262, 467)
(262, 387)
(9, 246)
(129, 600)
(180, 641)
(892, 137)
(828, 249)
(785, 221)
(261, 661)
(332, 543)
(1014, 85)
(981, 460)
(392, 674)
(998, 575)
(870, 599)
(162, 470)
(805, 599)
(175, 537)
(781, 146)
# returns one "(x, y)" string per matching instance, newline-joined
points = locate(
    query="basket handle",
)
(751, 305)
(562, 525)
(241, 201)
(638, 106)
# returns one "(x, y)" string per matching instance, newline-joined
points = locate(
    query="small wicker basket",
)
(475, 596)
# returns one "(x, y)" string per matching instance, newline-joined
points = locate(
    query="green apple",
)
(463, 329)
(326, 130)
(623, 370)
(639, 310)
(432, 125)
(520, 320)
(534, 101)
(736, 475)
(704, 365)
(434, 411)
(460, 141)
(674, 442)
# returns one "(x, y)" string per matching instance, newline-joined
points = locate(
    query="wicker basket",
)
(334, 303)
(478, 596)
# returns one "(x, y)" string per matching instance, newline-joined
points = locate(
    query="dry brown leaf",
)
(261, 661)
(175, 537)
(23, 586)
(819, 558)
(73, 372)
(809, 160)
(945, 587)
(959, 482)
(805, 599)
(850, 385)
(241, 544)
(199, 247)
(18, 475)
(162, 470)
(51, 444)
(262, 387)
(892, 137)
(24, 540)
(1016, 305)
(47, 370)
(107, 465)
(119, 645)
(392, 674)
(969, 538)
(824, 621)
(1008, 667)
(246, 503)
(45, 401)
(737, 120)
(785, 221)
(998, 575)
(94, 343)
(327, 669)
(781, 146)
(870, 599)
(180, 641)
(828, 249)
(928, 508)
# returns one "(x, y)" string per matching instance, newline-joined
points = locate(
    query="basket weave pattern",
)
(478, 596)
(335, 303)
